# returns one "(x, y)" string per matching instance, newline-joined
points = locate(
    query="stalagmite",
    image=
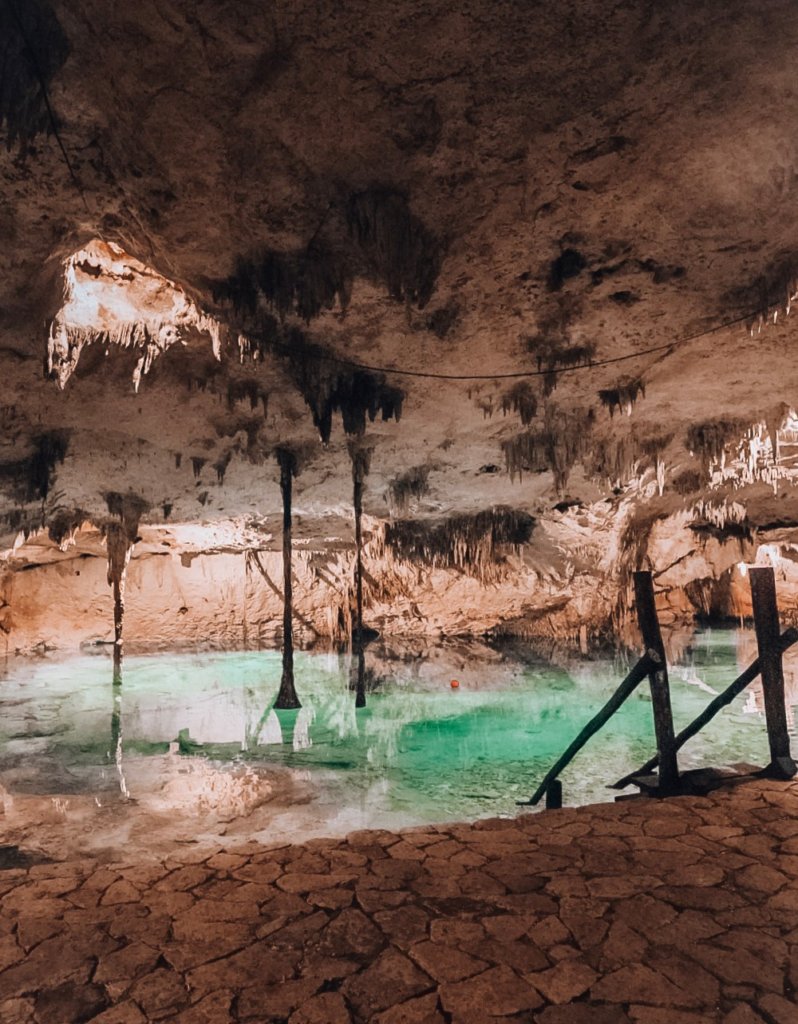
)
(287, 697)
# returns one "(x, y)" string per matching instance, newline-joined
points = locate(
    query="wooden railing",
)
(772, 644)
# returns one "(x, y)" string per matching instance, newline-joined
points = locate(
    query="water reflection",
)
(197, 751)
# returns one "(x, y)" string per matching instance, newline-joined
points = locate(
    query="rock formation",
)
(547, 262)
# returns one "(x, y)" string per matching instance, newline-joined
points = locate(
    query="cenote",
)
(189, 749)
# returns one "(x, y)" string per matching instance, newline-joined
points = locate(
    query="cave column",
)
(768, 639)
(287, 697)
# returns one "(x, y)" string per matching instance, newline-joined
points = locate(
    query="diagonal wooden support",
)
(715, 706)
(636, 676)
(658, 680)
(768, 639)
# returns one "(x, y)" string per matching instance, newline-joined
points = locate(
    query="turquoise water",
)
(192, 738)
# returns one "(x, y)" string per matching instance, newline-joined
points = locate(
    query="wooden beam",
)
(717, 704)
(638, 673)
(766, 624)
(658, 680)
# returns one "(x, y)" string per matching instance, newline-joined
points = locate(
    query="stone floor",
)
(675, 912)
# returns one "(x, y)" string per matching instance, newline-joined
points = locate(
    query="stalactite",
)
(558, 352)
(474, 543)
(722, 519)
(303, 282)
(330, 387)
(247, 390)
(708, 440)
(120, 535)
(406, 488)
(287, 697)
(623, 396)
(64, 523)
(562, 440)
(521, 398)
(149, 336)
(397, 246)
(619, 457)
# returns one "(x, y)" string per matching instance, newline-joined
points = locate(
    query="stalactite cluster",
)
(396, 245)
(330, 387)
(475, 543)
(303, 283)
(722, 519)
(34, 48)
(554, 352)
(561, 442)
(708, 440)
(617, 458)
(623, 395)
(148, 336)
(521, 398)
(406, 488)
(247, 389)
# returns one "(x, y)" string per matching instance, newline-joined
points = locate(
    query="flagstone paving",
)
(676, 912)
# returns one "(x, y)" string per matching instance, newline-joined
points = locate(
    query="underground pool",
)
(188, 749)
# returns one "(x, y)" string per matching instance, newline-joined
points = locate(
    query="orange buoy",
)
(454, 684)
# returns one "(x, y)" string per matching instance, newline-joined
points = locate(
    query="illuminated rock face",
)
(276, 207)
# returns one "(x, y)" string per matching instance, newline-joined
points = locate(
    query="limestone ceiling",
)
(472, 188)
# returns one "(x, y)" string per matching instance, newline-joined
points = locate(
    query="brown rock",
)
(120, 892)
(160, 991)
(779, 1009)
(257, 964)
(269, 1001)
(124, 1013)
(327, 1008)
(391, 979)
(127, 963)
(404, 926)
(660, 1015)
(582, 1013)
(423, 1010)
(637, 983)
(69, 1002)
(445, 963)
(622, 946)
(351, 934)
(498, 992)
(565, 982)
(738, 966)
(331, 899)
(302, 882)
(213, 1009)
(761, 878)
(743, 1015)
(548, 932)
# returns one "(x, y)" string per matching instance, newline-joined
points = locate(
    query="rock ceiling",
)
(244, 204)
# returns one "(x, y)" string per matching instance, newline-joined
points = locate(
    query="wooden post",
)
(716, 705)
(554, 795)
(658, 680)
(768, 637)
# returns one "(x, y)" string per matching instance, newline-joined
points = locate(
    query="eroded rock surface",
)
(249, 214)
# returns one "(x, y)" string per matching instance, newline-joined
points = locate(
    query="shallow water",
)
(188, 748)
